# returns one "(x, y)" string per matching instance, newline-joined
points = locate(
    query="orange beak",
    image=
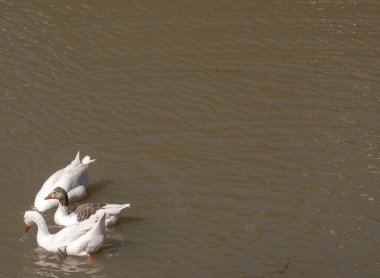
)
(27, 227)
(50, 196)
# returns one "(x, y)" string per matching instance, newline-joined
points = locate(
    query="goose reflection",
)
(48, 264)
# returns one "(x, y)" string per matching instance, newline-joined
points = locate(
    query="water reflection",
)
(48, 264)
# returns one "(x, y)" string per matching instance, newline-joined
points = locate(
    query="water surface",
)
(245, 134)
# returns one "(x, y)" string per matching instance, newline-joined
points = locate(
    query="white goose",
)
(81, 239)
(83, 212)
(73, 178)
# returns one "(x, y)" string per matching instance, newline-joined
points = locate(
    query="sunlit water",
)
(244, 134)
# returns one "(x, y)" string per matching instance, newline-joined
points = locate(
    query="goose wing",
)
(73, 232)
(84, 211)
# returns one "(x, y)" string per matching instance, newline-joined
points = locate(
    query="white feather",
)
(73, 178)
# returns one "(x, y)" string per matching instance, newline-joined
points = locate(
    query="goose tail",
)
(87, 160)
(100, 224)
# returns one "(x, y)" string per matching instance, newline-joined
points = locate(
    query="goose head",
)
(58, 193)
(30, 217)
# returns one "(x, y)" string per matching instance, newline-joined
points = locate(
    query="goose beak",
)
(50, 196)
(27, 227)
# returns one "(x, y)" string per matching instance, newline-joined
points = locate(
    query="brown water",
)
(244, 133)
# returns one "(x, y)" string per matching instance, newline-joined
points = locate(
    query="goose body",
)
(80, 239)
(85, 211)
(73, 178)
